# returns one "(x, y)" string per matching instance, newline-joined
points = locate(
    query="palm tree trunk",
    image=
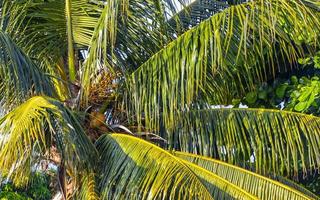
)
(62, 179)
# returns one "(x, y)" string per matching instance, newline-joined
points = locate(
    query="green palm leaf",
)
(18, 71)
(119, 34)
(270, 140)
(221, 58)
(258, 185)
(133, 168)
(28, 132)
(39, 27)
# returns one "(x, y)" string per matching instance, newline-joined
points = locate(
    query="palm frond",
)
(19, 75)
(85, 17)
(123, 42)
(313, 3)
(133, 168)
(126, 34)
(260, 186)
(296, 186)
(195, 13)
(270, 141)
(44, 26)
(39, 28)
(41, 46)
(223, 57)
(71, 56)
(220, 188)
(101, 43)
(29, 131)
(88, 189)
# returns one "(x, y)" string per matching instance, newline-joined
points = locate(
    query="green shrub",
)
(37, 190)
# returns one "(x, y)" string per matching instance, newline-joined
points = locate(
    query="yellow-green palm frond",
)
(135, 169)
(222, 57)
(260, 186)
(220, 188)
(270, 141)
(88, 188)
(29, 131)
(84, 20)
(19, 75)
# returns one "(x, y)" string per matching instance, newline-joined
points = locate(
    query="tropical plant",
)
(38, 189)
(297, 91)
(75, 72)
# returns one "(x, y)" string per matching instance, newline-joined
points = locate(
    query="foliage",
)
(37, 190)
(268, 141)
(164, 80)
(298, 93)
(213, 62)
(144, 159)
(20, 72)
(33, 127)
(311, 60)
(311, 183)
(12, 196)
(236, 175)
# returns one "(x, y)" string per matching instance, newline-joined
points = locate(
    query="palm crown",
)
(159, 71)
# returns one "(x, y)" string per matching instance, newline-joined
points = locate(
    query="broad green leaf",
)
(281, 90)
(263, 95)
(301, 106)
(251, 97)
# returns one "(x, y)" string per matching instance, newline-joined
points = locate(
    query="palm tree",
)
(159, 78)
